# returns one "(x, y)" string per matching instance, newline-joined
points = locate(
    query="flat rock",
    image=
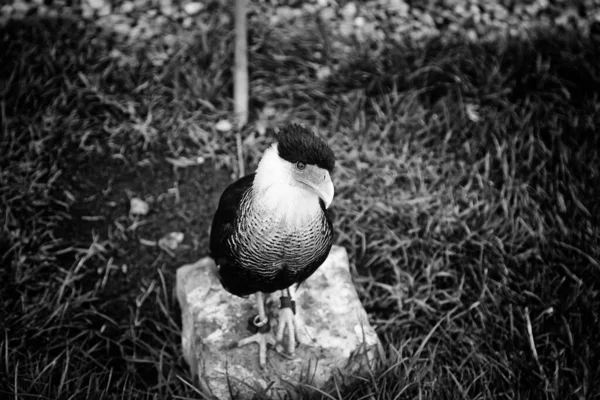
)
(338, 342)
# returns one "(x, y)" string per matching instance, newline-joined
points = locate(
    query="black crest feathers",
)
(296, 143)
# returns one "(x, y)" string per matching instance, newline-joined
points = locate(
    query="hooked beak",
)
(320, 182)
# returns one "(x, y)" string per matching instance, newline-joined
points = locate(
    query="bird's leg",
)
(287, 318)
(261, 327)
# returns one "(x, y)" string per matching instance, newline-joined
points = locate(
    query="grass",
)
(466, 193)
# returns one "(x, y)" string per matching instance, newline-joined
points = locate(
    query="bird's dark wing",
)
(225, 217)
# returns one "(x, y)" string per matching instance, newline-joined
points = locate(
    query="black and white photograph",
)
(300, 199)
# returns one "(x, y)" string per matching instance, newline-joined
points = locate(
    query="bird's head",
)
(296, 168)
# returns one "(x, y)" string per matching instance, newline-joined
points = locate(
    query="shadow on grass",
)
(466, 192)
(87, 306)
(489, 296)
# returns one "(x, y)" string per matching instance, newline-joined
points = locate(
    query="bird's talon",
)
(279, 348)
(264, 341)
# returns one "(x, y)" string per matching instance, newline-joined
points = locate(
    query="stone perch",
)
(340, 341)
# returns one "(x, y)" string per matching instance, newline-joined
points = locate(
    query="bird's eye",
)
(300, 165)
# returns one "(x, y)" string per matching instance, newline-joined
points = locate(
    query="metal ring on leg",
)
(256, 325)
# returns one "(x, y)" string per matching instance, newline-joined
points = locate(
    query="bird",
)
(272, 230)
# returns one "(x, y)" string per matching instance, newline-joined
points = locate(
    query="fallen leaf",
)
(472, 112)
(224, 125)
(323, 73)
(193, 8)
(269, 111)
(138, 206)
(146, 242)
(261, 128)
(171, 240)
(183, 162)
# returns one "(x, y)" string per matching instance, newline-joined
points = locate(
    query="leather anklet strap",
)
(287, 302)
